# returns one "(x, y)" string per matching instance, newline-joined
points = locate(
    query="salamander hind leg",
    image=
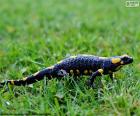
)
(111, 75)
(62, 73)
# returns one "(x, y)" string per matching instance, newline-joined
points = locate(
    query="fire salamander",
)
(79, 65)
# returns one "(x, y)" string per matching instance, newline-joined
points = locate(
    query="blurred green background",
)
(37, 33)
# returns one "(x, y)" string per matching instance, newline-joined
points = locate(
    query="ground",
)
(35, 34)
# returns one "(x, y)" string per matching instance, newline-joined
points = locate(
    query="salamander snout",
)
(130, 60)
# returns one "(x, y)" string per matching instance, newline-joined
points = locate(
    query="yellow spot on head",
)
(125, 55)
(85, 71)
(71, 71)
(12, 82)
(78, 72)
(100, 71)
(116, 60)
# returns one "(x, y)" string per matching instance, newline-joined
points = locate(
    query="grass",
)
(36, 34)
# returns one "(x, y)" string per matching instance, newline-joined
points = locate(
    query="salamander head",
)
(119, 61)
(125, 59)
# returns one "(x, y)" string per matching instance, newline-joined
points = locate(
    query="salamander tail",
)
(30, 79)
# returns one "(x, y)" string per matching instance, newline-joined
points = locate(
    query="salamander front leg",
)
(111, 75)
(90, 81)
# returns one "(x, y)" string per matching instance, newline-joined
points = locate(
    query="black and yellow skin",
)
(79, 65)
